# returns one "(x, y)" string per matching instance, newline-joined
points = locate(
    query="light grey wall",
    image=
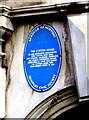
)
(23, 3)
(87, 43)
(20, 98)
(78, 30)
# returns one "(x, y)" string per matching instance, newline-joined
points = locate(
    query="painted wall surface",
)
(2, 92)
(78, 29)
(23, 3)
(87, 36)
(20, 98)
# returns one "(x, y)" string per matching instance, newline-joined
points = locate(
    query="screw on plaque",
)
(60, 55)
(42, 24)
(24, 59)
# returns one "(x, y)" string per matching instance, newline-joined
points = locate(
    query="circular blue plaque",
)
(42, 57)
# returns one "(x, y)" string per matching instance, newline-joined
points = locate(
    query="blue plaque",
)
(42, 57)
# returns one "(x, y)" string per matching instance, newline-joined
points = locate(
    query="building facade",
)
(70, 93)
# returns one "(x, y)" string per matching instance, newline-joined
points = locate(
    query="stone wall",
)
(18, 99)
(23, 3)
(79, 40)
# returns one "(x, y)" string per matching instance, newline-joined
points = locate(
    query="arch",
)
(56, 104)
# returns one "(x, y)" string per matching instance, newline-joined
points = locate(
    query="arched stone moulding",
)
(56, 104)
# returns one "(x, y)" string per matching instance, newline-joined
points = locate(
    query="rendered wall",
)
(20, 98)
(23, 3)
(78, 30)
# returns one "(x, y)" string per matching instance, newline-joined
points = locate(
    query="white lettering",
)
(42, 57)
